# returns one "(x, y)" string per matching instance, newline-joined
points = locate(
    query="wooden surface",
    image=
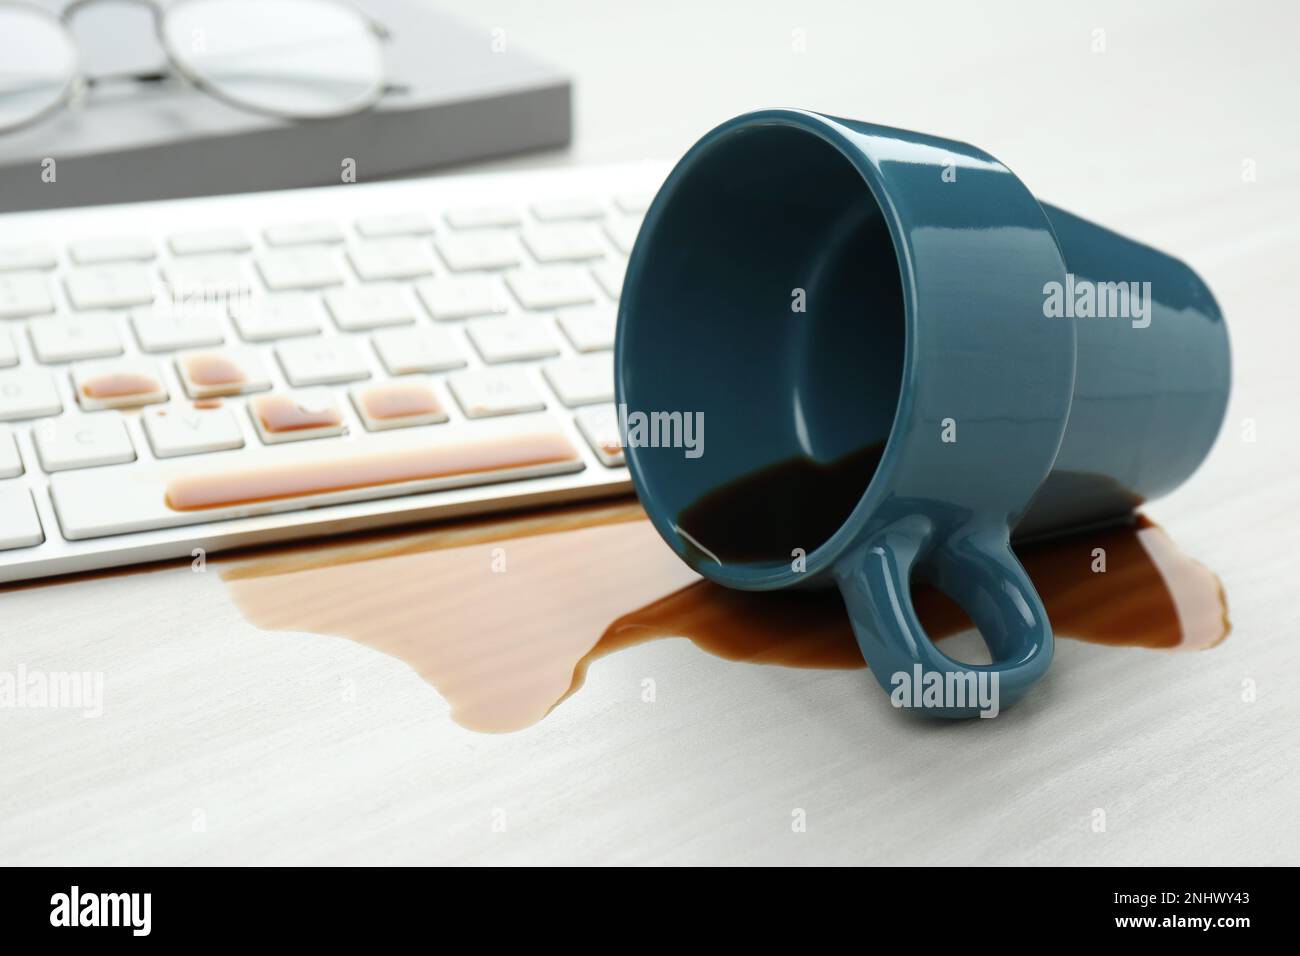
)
(209, 720)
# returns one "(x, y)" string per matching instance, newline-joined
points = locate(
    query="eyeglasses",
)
(290, 59)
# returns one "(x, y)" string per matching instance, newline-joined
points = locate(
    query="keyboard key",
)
(633, 203)
(483, 217)
(224, 372)
(71, 339)
(83, 441)
(322, 362)
(557, 210)
(470, 251)
(90, 252)
(382, 259)
(124, 383)
(296, 416)
(20, 526)
(361, 467)
(551, 288)
(24, 293)
(109, 287)
(28, 256)
(179, 429)
(11, 463)
(483, 393)
(307, 268)
(199, 275)
(358, 308)
(398, 404)
(512, 339)
(394, 224)
(26, 394)
(599, 425)
(8, 351)
(302, 233)
(200, 242)
(566, 243)
(609, 274)
(590, 329)
(369, 469)
(418, 350)
(459, 297)
(582, 381)
(164, 329)
(622, 232)
(271, 317)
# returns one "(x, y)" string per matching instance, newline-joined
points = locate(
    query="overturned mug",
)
(883, 357)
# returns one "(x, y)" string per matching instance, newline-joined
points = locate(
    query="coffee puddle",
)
(504, 616)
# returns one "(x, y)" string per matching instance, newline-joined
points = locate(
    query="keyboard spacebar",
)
(121, 499)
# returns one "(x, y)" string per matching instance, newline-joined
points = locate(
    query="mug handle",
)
(978, 571)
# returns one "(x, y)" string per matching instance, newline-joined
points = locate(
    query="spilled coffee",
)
(796, 503)
(503, 616)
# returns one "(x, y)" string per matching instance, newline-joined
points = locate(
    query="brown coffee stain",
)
(400, 401)
(285, 413)
(1150, 595)
(504, 616)
(213, 370)
(121, 385)
(346, 472)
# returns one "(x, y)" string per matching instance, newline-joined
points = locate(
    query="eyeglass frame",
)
(79, 85)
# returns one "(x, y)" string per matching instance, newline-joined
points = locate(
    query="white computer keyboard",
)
(218, 372)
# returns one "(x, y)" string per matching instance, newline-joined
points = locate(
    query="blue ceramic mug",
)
(851, 354)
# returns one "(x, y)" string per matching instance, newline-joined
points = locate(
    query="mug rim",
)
(770, 577)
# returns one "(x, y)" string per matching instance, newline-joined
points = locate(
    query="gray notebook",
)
(468, 95)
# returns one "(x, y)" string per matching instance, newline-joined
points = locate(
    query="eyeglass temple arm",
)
(155, 76)
(162, 76)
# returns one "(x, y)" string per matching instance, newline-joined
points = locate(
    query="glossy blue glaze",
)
(1148, 401)
(922, 264)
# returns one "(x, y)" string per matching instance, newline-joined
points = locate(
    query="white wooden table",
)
(210, 721)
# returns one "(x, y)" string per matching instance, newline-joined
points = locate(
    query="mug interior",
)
(764, 301)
